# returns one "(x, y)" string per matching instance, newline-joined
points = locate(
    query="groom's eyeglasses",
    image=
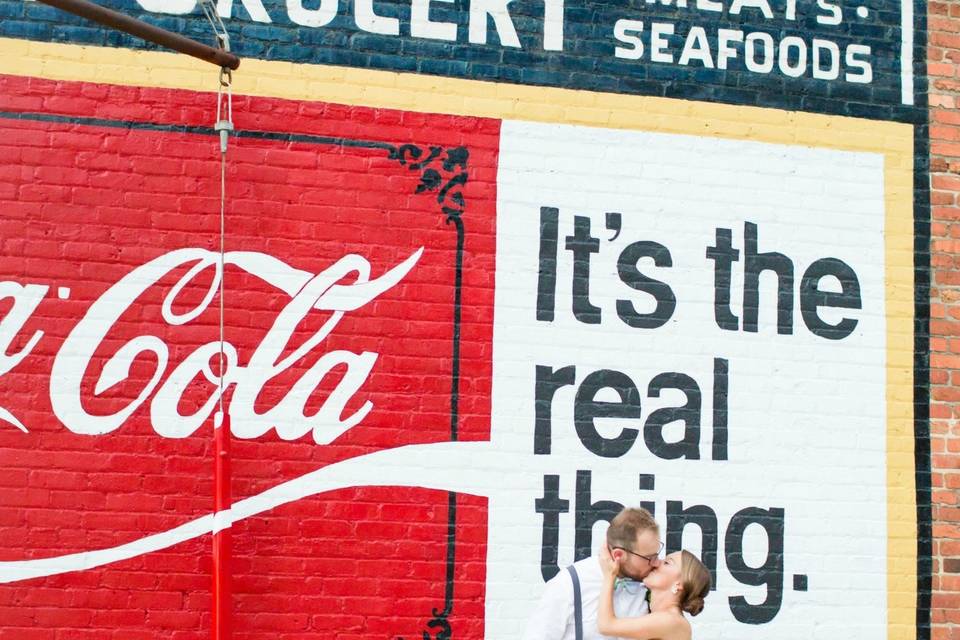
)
(649, 558)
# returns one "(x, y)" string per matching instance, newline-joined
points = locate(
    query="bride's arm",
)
(607, 621)
(652, 625)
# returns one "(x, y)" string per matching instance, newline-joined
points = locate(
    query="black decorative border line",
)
(450, 198)
(444, 171)
(921, 322)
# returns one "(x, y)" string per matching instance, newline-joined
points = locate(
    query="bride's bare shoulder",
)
(684, 631)
(676, 627)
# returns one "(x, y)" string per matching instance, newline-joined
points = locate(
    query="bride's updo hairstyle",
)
(695, 579)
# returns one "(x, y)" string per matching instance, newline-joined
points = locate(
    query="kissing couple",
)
(625, 590)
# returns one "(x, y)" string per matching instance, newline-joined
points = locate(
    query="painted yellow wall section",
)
(382, 89)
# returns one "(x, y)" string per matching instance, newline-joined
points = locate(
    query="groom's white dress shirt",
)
(553, 617)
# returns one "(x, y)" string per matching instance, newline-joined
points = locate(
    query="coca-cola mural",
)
(357, 308)
(453, 347)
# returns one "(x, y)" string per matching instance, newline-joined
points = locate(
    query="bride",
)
(678, 584)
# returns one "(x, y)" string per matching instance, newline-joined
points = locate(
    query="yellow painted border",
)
(382, 89)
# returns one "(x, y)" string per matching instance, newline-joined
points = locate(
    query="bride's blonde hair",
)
(695, 579)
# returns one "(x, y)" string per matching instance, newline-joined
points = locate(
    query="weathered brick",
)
(308, 570)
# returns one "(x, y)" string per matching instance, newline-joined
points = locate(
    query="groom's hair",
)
(627, 524)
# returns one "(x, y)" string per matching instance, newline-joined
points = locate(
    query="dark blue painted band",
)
(588, 59)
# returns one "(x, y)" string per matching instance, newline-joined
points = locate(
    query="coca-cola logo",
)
(343, 287)
(347, 285)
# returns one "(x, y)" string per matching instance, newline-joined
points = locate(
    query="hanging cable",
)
(223, 125)
(221, 626)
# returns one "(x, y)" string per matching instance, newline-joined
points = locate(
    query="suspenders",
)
(577, 603)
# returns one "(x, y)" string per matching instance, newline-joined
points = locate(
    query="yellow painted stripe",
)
(383, 89)
(901, 482)
(390, 90)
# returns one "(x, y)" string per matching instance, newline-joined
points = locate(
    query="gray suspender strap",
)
(577, 603)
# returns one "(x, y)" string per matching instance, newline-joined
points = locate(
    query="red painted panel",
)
(83, 204)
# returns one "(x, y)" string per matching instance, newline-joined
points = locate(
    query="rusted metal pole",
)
(139, 28)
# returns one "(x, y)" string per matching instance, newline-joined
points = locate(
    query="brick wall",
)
(944, 79)
(355, 562)
(479, 47)
(107, 164)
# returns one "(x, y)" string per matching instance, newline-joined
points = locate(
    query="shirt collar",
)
(626, 584)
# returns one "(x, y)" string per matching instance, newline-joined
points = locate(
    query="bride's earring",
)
(675, 590)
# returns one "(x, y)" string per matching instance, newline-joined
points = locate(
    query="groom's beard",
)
(632, 575)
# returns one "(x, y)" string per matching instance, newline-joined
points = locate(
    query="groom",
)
(568, 608)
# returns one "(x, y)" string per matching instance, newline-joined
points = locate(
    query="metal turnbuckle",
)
(224, 123)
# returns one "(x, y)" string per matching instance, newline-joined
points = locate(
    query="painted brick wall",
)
(482, 48)
(473, 478)
(359, 562)
(944, 62)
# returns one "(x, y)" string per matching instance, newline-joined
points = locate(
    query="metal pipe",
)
(139, 28)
